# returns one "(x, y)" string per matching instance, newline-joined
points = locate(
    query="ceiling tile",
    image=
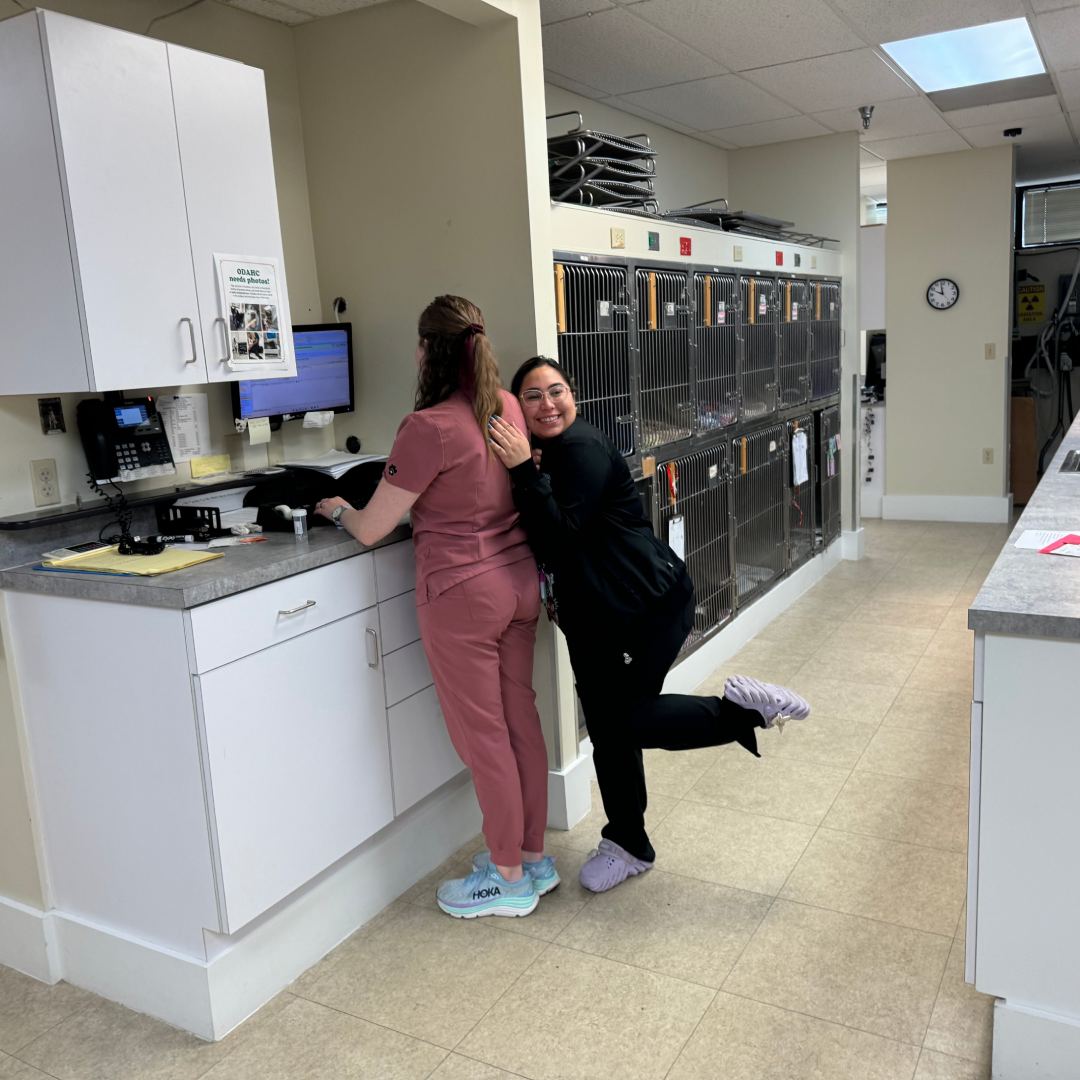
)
(711, 104)
(833, 82)
(332, 7)
(573, 85)
(1005, 113)
(772, 131)
(715, 140)
(1069, 87)
(557, 10)
(618, 53)
(891, 119)
(271, 9)
(744, 36)
(879, 21)
(1052, 5)
(868, 159)
(1050, 132)
(1059, 37)
(940, 142)
(641, 113)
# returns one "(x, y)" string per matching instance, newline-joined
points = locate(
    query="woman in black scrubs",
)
(625, 602)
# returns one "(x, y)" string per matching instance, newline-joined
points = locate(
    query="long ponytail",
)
(458, 356)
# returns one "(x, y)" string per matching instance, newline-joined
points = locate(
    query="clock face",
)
(942, 293)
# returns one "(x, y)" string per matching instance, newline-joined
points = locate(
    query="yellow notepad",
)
(110, 561)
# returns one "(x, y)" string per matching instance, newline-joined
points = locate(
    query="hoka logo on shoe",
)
(486, 894)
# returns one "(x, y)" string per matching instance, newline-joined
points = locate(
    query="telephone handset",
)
(124, 439)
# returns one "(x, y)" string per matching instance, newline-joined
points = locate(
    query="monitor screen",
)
(323, 380)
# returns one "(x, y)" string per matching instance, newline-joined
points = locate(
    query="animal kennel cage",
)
(758, 464)
(693, 514)
(800, 498)
(716, 317)
(828, 476)
(825, 340)
(593, 314)
(757, 381)
(793, 358)
(663, 339)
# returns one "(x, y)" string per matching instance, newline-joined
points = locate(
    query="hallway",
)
(804, 920)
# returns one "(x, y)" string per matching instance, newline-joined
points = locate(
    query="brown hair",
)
(459, 357)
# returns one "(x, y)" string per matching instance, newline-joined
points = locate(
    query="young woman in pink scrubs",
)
(477, 598)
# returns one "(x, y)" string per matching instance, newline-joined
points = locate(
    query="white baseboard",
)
(853, 544)
(28, 941)
(210, 996)
(569, 793)
(1033, 1044)
(978, 508)
(692, 671)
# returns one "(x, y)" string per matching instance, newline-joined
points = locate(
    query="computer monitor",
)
(323, 380)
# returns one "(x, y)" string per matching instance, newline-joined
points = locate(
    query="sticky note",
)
(259, 430)
(210, 465)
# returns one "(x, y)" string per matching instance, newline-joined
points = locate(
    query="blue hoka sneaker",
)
(545, 876)
(487, 892)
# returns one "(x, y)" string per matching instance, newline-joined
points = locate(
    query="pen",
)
(162, 538)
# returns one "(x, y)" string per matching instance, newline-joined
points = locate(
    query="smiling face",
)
(553, 411)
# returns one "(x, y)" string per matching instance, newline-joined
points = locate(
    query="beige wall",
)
(950, 215)
(687, 170)
(815, 184)
(213, 28)
(422, 198)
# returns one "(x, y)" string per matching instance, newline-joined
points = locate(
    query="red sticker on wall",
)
(779, 258)
(684, 245)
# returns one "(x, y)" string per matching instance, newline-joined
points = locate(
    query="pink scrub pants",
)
(479, 637)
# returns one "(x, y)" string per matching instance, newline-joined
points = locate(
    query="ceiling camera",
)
(1011, 133)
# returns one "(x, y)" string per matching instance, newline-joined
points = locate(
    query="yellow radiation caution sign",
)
(1031, 303)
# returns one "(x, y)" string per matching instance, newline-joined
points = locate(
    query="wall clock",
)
(942, 294)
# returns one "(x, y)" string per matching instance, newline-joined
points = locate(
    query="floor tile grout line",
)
(52, 1027)
(689, 1038)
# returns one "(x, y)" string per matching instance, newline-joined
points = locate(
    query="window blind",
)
(1051, 215)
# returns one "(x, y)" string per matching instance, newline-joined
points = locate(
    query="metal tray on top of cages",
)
(603, 193)
(707, 213)
(581, 142)
(600, 168)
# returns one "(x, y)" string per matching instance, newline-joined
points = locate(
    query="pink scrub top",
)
(464, 522)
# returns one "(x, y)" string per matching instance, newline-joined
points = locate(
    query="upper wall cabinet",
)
(128, 164)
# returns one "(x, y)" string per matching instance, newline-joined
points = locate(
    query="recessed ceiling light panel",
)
(977, 54)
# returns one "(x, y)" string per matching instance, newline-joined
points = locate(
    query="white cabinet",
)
(122, 194)
(297, 760)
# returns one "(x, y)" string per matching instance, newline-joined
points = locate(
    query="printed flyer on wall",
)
(250, 305)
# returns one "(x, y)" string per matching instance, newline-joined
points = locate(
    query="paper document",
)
(110, 561)
(334, 463)
(1037, 539)
(800, 470)
(676, 536)
(187, 424)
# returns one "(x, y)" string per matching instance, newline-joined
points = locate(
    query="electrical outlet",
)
(43, 481)
(989, 351)
(618, 238)
(988, 455)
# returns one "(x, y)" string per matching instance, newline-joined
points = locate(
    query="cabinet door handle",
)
(191, 333)
(299, 607)
(372, 647)
(225, 336)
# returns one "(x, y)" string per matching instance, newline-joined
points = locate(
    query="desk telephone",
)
(124, 439)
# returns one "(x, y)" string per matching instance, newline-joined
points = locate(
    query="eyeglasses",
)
(554, 393)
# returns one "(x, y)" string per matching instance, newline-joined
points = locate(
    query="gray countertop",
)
(1031, 594)
(244, 567)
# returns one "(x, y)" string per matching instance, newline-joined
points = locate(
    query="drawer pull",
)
(372, 647)
(300, 607)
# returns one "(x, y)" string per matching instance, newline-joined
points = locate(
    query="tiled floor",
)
(804, 920)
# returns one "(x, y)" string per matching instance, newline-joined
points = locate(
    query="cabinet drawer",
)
(406, 671)
(254, 620)
(422, 756)
(397, 622)
(395, 570)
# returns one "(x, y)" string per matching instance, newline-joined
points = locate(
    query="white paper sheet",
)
(186, 418)
(676, 536)
(1036, 539)
(800, 469)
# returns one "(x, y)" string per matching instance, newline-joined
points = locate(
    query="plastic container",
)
(300, 524)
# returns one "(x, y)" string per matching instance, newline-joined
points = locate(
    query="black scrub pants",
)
(619, 672)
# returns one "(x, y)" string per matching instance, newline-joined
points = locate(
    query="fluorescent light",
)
(977, 54)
